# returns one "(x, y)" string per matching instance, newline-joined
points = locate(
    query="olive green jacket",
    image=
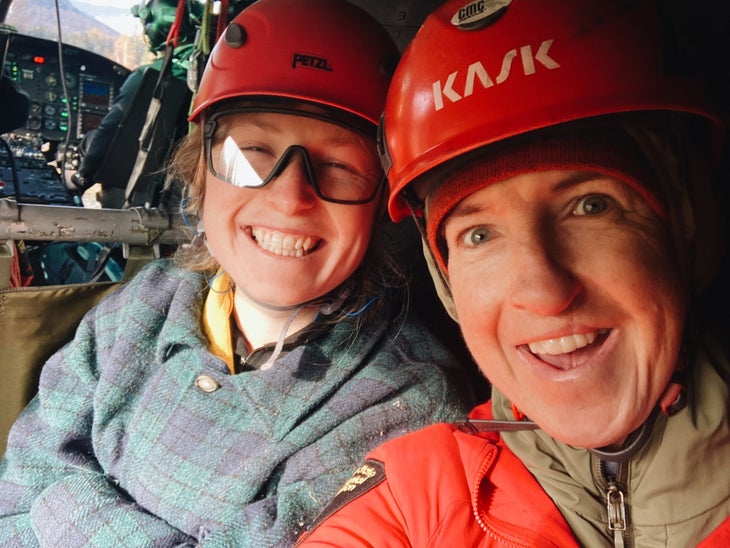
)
(676, 489)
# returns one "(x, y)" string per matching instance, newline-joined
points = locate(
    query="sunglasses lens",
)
(234, 159)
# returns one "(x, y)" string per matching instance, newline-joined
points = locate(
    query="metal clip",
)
(616, 508)
(616, 513)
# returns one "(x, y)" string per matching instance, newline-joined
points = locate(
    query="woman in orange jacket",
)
(560, 159)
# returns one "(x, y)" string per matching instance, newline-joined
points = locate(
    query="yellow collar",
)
(217, 318)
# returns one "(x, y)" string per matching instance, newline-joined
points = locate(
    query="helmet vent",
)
(235, 35)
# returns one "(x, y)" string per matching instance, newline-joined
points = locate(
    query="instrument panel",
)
(64, 107)
(91, 81)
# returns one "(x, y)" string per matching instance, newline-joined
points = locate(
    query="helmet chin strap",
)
(326, 306)
(631, 445)
(671, 402)
(440, 281)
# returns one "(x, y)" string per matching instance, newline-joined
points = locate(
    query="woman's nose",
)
(291, 191)
(543, 281)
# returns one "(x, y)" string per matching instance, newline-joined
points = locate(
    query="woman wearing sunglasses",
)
(224, 398)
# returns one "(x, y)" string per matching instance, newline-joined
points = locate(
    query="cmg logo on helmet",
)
(311, 61)
(468, 12)
(479, 13)
(477, 73)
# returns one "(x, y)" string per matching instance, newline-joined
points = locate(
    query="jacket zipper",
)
(491, 533)
(614, 496)
(616, 513)
(496, 531)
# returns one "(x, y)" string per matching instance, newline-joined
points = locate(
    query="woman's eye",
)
(476, 236)
(594, 204)
(252, 149)
(334, 165)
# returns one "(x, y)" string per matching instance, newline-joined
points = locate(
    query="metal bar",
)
(135, 226)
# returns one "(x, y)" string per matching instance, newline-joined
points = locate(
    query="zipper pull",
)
(616, 513)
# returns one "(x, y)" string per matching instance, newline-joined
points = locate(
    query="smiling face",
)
(569, 300)
(281, 243)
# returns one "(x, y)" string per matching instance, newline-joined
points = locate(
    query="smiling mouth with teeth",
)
(565, 345)
(286, 245)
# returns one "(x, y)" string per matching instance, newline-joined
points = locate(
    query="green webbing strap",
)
(6, 261)
(137, 256)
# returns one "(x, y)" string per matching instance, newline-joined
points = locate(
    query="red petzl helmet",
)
(327, 52)
(482, 71)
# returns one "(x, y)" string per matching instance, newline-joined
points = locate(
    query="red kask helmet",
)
(482, 71)
(327, 52)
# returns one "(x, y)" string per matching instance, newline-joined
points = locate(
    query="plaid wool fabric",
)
(139, 436)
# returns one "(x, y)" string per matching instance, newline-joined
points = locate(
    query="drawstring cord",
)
(327, 307)
(280, 342)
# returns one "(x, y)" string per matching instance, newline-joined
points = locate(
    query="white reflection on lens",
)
(235, 167)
